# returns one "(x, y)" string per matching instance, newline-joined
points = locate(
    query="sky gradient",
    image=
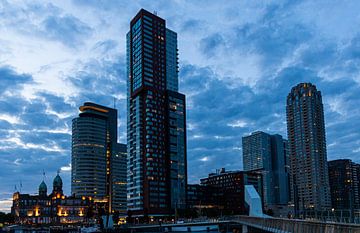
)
(238, 62)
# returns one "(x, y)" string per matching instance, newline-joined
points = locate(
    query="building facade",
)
(268, 154)
(156, 180)
(344, 184)
(98, 164)
(224, 190)
(176, 150)
(307, 146)
(118, 174)
(55, 208)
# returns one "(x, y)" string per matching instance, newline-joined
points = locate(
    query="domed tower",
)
(42, 189)
(57, 185)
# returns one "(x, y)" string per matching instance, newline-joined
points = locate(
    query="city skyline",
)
(227, 98)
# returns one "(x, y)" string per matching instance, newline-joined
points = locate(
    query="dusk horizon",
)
(238, 62)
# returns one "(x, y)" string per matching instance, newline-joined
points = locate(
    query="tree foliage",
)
(6, 218)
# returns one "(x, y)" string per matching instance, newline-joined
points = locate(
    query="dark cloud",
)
(100, 4)
(192, 25)
(354, 48)
(54, 102)
(38, 140)
(101, 81)
(11, 80)
(210, 44)
(222, 114)
(12, 104)
(67, 29)
(27, 168)
(104, 47)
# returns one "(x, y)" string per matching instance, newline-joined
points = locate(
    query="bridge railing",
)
(294, 225)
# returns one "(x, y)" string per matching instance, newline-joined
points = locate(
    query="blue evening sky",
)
(238, 62)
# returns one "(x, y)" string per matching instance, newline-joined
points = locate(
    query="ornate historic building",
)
(54, 208)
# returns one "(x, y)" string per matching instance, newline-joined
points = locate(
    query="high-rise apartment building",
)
(344, 184)
(156, 181)
(98, 161)
(268, 155)
(307, 146)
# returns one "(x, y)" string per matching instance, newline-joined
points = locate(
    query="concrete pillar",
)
(244, 229)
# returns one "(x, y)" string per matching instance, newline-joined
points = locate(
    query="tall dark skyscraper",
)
(344, 184)
(98, 161)
(307, 146)
(156, 119)
(268, 154)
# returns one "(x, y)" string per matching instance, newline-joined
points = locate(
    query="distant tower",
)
(43, 189)
(307, 146)
(268, 154)
(57, 185)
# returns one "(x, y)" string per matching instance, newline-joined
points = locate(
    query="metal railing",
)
(294, 225)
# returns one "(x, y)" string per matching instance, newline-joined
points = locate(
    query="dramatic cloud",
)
(67, 29)
(238, 62)
(10, 81)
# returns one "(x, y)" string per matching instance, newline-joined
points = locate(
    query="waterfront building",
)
(204, 197)
(307, 147)
(156, 138)
(344, 184)
(268, 155)
(98, 164)
(54, 209)
(224, 191)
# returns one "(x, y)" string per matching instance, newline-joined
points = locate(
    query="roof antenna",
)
(43, 175)
(20, 185)
(114, 103)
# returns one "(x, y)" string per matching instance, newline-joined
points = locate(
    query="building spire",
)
(44, 175)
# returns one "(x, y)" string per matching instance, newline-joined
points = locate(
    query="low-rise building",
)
(55, 208)
(344, 184)
(223, 190)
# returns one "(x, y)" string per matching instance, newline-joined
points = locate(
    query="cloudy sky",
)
(238, 61)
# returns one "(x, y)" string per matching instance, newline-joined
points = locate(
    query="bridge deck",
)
(276, 225)
(280, 225)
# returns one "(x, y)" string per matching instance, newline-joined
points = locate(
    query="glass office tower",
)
(267, 154)
(97, 168)
(156, 181)
(307, 146)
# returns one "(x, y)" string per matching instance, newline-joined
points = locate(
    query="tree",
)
(116, 216)
(6, 218)
(129, 218)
